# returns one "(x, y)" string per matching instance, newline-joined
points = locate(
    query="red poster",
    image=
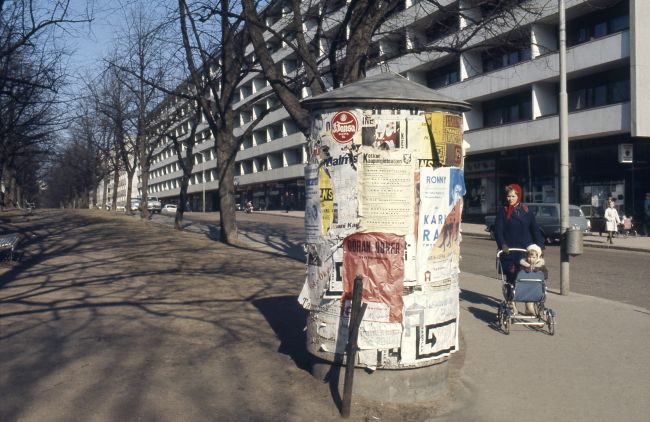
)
(379, 259)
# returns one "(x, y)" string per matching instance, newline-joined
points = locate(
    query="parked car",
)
(153, 204)
(120, 208)
(595, 217)
(548, 218)
(169, 209)
(135, 204)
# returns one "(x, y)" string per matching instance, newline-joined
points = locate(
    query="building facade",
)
(513, 127)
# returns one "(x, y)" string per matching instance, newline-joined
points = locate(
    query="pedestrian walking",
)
(515, 227)
(612, 220)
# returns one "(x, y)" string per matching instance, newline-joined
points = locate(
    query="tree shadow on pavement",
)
(117, 319)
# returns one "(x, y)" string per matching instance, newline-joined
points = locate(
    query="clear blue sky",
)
(89, 42)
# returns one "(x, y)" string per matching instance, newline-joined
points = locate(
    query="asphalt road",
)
(622, 276)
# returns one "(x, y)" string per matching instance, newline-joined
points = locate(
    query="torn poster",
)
(430, 325)
(313, 217)
(378, 258)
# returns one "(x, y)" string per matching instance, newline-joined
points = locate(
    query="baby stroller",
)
(528, 287)
(626, 228)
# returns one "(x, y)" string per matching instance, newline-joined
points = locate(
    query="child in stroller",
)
(529, 287)
(533, 263)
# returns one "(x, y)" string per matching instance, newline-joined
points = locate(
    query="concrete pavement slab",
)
(595, 368)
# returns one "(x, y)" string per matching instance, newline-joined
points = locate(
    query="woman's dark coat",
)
(519, 231)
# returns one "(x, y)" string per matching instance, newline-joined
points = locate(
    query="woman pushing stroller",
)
(515, 227)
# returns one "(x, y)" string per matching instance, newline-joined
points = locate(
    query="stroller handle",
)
(513, 250)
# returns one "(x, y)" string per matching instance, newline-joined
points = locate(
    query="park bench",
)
(8, 243)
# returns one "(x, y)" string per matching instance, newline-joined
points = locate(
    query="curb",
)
(585, 244)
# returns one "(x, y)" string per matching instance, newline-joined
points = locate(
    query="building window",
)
(511, 109)
(443, 76)
(600, 89)
(599, 24)
(499, 57)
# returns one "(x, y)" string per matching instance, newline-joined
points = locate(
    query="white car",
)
(169, 209)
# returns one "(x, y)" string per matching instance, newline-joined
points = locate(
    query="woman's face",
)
(511, 197)
(611, 204)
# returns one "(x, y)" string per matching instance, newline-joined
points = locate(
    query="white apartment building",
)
(107, 186)
(513, 126)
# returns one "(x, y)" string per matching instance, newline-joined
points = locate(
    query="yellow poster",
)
(446, 129)
(419, 141)
(326, 200)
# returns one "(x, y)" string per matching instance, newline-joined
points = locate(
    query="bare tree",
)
(30, 76)
(146, 74)
(113, 101)
(339, 40)
(214, 37)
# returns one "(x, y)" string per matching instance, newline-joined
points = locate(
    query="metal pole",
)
(564, 156)
(356, 315)
(203, 171)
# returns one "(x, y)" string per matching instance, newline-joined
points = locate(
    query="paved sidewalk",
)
(595, 368)
(111, 318)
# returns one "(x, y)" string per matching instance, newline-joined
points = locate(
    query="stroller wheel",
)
(506, 324)
(550, 322)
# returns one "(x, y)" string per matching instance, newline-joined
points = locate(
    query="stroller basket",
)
(529, 289)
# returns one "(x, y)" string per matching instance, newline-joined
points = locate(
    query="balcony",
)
(590, 56)
(601, 121)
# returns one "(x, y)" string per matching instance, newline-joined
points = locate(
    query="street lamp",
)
(564, 155)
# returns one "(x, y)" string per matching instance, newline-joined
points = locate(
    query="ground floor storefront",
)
(599, 168)
(284, 195)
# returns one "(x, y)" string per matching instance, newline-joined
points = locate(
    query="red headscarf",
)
(517, 189)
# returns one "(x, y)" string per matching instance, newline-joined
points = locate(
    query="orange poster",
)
(379, 259)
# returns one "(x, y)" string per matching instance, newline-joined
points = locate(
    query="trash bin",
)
(574, 242)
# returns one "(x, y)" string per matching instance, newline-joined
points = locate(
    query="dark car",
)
(548, 218)
(595, 217)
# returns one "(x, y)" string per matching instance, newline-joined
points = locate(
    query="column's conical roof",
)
(385, 89)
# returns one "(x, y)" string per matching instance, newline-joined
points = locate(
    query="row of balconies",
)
(531, 67)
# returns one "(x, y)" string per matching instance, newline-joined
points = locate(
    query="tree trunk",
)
(129, 190)
(105, 196)
(116, 181)
(144, 173)
(180, 210)
(226, 151)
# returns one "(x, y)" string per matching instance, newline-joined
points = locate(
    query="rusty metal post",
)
(356, 315)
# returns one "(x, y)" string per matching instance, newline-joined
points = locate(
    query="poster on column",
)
(384, 132)
(446, 130)
(430, 325)
(441, 192)
(326, 200)
(328, 328)
(420, 142)
(386, 202)
(378, 258)
(320, 266)
(338, 142)
(313, 216)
